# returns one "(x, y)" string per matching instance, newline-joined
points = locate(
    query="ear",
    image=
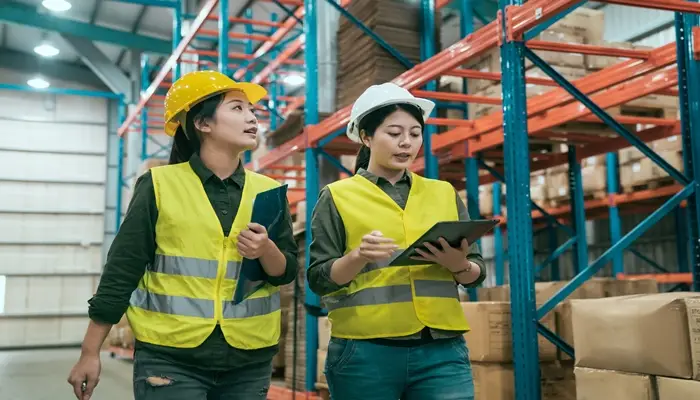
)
(202, 125)
(366, 140)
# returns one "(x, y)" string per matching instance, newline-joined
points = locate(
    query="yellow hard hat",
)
(196, 86)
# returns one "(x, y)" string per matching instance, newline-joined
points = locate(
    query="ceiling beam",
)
(22, 14)
(65, 71)
(101, 65)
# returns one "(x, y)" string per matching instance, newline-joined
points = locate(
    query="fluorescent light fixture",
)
(38, 83)
(57, 5)
(46, 50)
(294, 80)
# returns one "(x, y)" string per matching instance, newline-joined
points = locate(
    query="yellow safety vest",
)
(189, 289)
(385, 301)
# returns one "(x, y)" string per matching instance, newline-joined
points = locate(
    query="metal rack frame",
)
(521, 117)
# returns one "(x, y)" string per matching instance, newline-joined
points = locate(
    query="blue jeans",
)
(360, 369)
(160, 378)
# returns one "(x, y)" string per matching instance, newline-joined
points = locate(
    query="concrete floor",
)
(42, 374)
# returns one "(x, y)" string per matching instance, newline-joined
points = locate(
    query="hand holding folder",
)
(268, 211)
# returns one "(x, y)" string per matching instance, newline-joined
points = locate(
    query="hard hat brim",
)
(426, 106)
(252, 91)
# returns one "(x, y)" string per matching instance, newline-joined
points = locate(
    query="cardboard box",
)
(324, 333)
(321, 366)
(490, 337)
(493, 381)
(655, 334)
(677, 389)
(600, 384)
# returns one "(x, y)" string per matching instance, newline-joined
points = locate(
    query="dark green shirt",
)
(134, 248)
(329, 237)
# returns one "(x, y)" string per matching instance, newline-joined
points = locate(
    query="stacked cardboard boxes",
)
(361, 61)
(295, 345)
(638, 347)
(121, 335)
(639, 171)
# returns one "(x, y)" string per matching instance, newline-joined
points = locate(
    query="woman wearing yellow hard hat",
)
(173, 264)
(396, 331)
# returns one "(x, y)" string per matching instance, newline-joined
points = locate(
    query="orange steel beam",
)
(673, 277)
(609, 98)
(587, 49)
(449, 96)
(235, 20)
(169, 64)
(290, 51)
(592, 83)
(280, 33)
(696, 42)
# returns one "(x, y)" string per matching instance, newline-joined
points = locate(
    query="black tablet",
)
(452, 231)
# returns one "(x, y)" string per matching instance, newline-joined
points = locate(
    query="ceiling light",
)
(46, 50)
(294, 80)
(38, 83)
(56, 5)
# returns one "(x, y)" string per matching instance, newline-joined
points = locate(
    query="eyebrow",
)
(401, 126)
(237, 101)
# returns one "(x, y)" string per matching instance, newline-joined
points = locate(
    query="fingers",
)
(377, 239)
(257, 228)
(433, 249)
(77, 389)
(376, 255)
(91, 383)
(244, 240)
(248, 234)
(425, 256)
(465, 246)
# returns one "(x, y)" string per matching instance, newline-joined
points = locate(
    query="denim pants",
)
(160, 378)
(360, 369)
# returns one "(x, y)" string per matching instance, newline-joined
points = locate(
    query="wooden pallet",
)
(649, 185)
(564, 200)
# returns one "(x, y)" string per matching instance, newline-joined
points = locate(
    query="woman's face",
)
(396, 142)
(234, 124)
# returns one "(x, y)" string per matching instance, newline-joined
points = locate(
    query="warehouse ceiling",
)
(113, 26)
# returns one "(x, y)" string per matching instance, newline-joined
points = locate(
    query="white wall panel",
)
(51, 228)
(36, 197)
(71, 137)
(42, 331)
(659, 39)
(53, 162)
(50, 259)
(624, 23)
(51, 167)
(38, 295)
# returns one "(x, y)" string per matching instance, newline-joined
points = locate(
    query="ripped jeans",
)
(158, 378)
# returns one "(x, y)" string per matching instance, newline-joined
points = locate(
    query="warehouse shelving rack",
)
(517, 23)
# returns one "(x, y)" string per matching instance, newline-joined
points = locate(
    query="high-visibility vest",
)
(189, 288)
(384, 301)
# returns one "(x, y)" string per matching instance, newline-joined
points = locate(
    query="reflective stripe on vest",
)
(203, 308)
(392, 294)
(184, 266)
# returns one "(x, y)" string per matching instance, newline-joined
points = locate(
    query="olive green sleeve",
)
(327, 244)
(474, 253)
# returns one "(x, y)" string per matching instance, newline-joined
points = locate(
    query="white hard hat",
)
(377, 96)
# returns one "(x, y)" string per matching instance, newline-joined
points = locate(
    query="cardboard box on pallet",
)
(494, 381)
(490, 337)
(324, 333)
(645, 171)
(594, 384)
(655, 334)
(598, 384)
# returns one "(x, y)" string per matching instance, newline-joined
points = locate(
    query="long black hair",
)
(185, 145)
(370, 122)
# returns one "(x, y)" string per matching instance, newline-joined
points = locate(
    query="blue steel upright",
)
(520, 243)
(177, 35)
(578, 210)
(612, 181)
(689, 96)
(427, 50)
(223, 36)
(312, 178)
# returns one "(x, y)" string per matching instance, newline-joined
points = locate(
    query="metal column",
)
(520, 246)
(177, 35)
(611, 169)
(223, 36)
(578, 212)
(247, 155)
(498, 256)
(689, 96)
(428, 50)
(311, 172)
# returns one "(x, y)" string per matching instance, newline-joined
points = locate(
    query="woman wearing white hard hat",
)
(397, 332)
